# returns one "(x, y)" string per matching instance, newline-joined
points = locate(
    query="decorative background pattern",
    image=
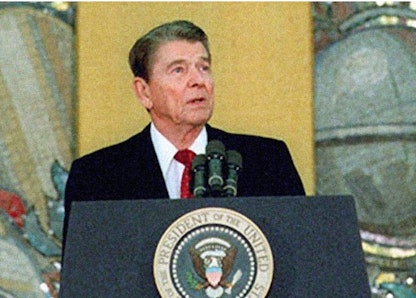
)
(37, 83)
(365, 130)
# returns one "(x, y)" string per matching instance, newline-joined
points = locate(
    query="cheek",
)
(210, 87)
(160, 94)
(171, 90)
(169, 99)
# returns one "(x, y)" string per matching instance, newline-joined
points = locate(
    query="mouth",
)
(196, 100)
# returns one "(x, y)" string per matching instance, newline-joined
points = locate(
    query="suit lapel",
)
(151, 183)
(215, 134)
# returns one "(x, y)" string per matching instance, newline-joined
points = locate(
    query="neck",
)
(181, 137)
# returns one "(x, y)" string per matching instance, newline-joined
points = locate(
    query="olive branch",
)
(192, 281)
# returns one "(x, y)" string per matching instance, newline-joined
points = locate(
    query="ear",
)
(142, 91)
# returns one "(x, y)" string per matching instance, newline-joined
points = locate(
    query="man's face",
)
(180, 87)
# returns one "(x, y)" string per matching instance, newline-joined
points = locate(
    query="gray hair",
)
(141, 54)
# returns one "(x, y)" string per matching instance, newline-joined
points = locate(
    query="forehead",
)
(180, 50)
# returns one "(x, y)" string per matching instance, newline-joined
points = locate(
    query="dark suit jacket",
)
(130, 170)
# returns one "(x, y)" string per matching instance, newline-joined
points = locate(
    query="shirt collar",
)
(166, 151)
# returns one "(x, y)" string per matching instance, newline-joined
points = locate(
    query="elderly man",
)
(173, 81)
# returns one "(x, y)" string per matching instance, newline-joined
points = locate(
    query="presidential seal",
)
(213, 253)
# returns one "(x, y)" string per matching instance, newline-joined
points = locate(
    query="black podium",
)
(315, 244)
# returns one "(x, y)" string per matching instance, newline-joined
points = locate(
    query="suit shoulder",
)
(250, 140)
(131, 146)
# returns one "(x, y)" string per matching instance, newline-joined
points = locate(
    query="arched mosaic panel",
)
(365, 129)
(37, 84)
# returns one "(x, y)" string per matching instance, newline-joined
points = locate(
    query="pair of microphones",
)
(215, 173)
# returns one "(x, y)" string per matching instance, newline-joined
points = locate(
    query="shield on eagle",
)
(213, 260)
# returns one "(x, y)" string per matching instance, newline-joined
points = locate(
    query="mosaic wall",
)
(37, 82)
(365, 130)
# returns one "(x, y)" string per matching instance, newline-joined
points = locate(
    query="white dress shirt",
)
(172, 169)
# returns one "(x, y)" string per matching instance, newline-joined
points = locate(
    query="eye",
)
(206, 67)
(178, 69)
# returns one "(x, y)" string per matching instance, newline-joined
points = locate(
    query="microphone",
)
(234, 165)
(215, 152)
(198, 167)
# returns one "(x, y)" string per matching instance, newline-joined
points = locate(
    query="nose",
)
(197, 77)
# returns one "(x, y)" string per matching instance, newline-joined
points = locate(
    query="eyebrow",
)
(181, 61)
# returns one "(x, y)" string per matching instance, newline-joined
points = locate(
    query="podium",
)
(314, 242)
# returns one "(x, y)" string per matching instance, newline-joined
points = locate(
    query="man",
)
(172, 79)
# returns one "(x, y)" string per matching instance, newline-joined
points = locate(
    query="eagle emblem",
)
(213, 260)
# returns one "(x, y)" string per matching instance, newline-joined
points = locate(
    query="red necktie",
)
(185, 157)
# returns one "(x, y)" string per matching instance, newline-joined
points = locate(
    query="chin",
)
(200, 119)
